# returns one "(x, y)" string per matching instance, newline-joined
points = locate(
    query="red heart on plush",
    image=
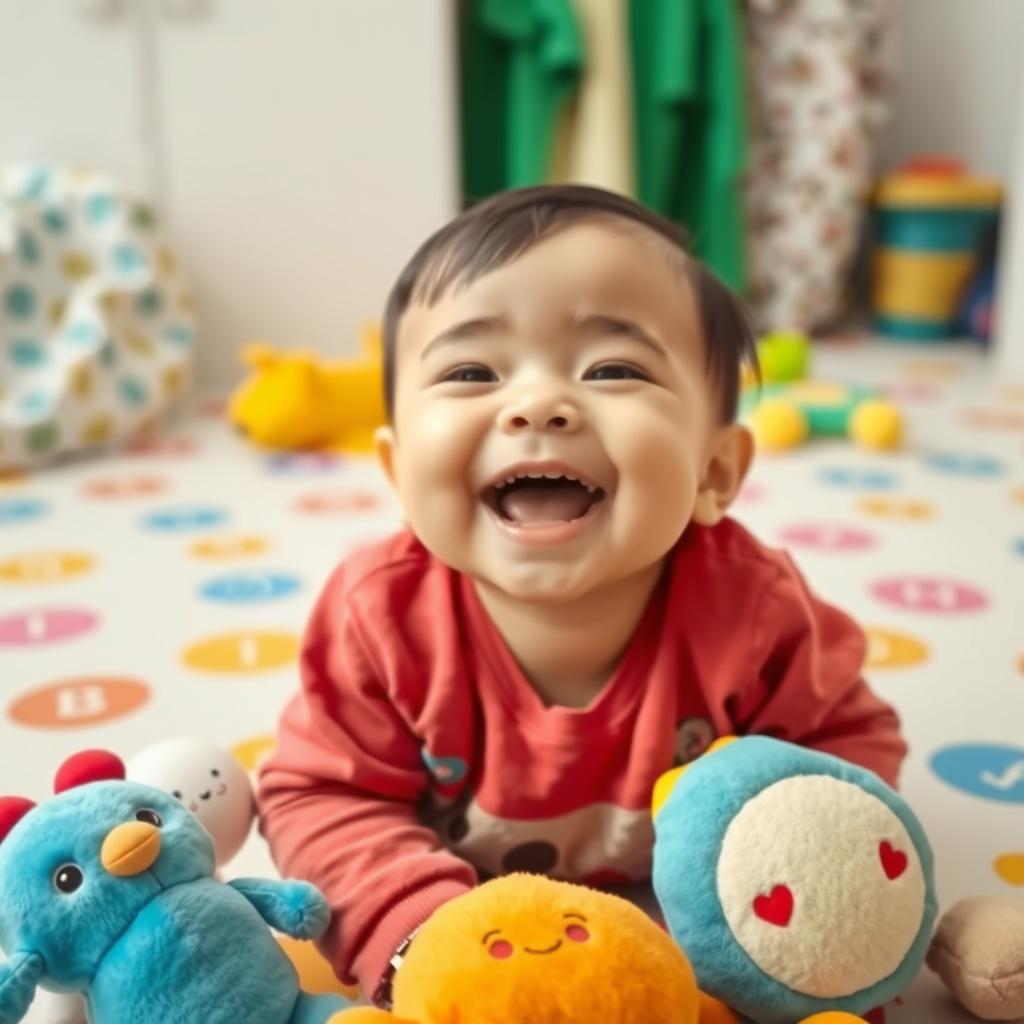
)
(777, 908)
(894, 862)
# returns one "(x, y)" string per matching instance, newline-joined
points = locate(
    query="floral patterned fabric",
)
(819, 74)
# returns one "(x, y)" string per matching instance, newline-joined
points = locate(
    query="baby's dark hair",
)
(502, 228)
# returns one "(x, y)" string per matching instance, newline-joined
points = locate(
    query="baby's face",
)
(553, 420)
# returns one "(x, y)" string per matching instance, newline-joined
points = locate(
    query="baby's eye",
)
(473, 374)
(615, 371)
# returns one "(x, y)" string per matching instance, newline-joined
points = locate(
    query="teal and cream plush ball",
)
(794, 882)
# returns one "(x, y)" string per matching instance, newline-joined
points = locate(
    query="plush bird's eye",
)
(215, 773)
(67, 878)
(149, 816)
(176, 794)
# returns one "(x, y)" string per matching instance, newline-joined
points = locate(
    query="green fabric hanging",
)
(689, 116)
(521, 61)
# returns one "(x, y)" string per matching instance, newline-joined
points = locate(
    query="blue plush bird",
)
(108, 890)
(795, 882)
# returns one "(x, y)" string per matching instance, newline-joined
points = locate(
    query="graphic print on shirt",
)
(693, 736)
(446, 771)
(600, 844)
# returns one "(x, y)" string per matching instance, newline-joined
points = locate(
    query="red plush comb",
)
(88, 766)
(12, 810)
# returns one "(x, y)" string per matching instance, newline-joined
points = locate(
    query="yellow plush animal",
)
(292, 400)
(526, 948)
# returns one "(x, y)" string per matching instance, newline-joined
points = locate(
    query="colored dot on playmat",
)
(249, 586)
(906, 509)
(887, 649)
(186, 517)
(939, 369)
(827, 537)
(39, 626)
(162, 447)
(21, 510)
(858, 479)
(992, 771)
(927, 594)
(252, 752)
(119, 488)
(244, 652)
(911, 391)
(340, 503)
(304, 463)
(226, 548)
(72, 703)
(1010, 868)
(994, 419)
(965, 464)
(45, 566)
(751, 493)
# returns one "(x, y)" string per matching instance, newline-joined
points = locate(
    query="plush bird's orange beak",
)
(130, 849)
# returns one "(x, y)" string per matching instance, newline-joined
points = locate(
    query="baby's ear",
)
(384, 444)
(729, 455)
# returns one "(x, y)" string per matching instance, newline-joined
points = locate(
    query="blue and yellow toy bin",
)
(929, 218)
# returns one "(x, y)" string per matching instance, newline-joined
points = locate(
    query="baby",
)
(570, 612)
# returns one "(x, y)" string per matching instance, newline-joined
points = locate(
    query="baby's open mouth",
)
(531, 499)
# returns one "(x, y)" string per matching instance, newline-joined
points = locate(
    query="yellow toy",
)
(292, 400)
(528, 948)
(787, 408)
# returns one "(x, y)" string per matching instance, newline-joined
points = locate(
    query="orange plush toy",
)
(526, 948)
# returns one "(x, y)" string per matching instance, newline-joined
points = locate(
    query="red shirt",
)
(417, 757)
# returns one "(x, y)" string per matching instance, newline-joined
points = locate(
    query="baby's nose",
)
(538, 413)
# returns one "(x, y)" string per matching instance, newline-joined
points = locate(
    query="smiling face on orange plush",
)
(525, 947)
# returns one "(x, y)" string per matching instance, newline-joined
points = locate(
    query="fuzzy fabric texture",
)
(795, 883)
(526, 948)
(978, 952)
(142, 928)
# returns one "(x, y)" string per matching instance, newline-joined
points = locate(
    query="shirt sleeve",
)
(808, 658)
(337, 801)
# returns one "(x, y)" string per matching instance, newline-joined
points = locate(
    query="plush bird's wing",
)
(18, 980)
(296, 908)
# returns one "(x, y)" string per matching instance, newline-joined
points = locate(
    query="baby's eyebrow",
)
(620, 325)
(466, 330)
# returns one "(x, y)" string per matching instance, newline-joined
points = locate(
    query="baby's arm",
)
(808, 658)
(338, 802)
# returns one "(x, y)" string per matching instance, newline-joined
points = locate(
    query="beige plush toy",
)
(978, 952)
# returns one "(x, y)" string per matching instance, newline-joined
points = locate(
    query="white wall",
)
(958, 92)
(308, 148)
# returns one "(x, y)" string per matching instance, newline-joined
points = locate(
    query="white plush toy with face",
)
(206, 779)
(211, 783)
